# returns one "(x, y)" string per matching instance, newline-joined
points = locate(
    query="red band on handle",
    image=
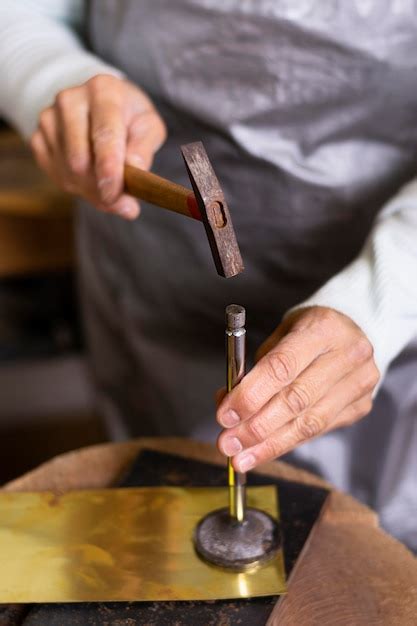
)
(193, 207)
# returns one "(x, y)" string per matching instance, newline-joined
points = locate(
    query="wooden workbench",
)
(351, 573)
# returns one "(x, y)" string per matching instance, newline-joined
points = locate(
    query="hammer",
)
(205, 203)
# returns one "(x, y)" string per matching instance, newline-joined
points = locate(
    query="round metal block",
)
(238, 546)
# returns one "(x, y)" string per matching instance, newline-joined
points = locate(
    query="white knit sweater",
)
(41, 53)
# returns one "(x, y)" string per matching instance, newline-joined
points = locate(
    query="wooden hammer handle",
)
(161, 192)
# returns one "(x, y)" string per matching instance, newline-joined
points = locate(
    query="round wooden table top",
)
(350, 571)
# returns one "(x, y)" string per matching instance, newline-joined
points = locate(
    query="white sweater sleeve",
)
(378, 290)
(40, 54)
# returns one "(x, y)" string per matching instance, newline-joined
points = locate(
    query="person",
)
(308, 112)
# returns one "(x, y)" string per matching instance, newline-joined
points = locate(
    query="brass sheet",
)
(120, 545)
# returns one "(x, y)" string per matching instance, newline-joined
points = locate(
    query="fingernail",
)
(104, 186)
(231, 446)
(246, 462)
(229, 419)
(126, 210)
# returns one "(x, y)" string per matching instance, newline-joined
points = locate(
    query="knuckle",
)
(103, 135)
(363, 384)
(325, 320)
(99, 82)
(359, 410)
(309, 426)
(376, 376)
(297, 399)
(366, 407)
(362, 350)
(350, 416)
(106, 169)
(256, 430)
(281, 366)
(369, 381)
(78, 164)
(271, 448)
(63, 99)
(249, 397)
(329, 316)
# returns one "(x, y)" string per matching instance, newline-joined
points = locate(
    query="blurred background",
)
(46, 397)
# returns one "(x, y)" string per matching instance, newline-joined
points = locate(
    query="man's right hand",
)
(90, 132)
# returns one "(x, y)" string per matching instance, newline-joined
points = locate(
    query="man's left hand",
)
(316, 372)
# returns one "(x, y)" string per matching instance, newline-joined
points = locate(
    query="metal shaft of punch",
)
(235, 354)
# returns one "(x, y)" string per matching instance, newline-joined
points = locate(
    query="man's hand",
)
(316, 372)
(86, 136)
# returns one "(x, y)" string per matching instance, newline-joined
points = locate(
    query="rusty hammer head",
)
(214, 210)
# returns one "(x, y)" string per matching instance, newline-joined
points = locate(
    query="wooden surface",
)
(35, 217)
(350, 573)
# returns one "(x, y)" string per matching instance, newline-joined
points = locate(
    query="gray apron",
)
(308, 111)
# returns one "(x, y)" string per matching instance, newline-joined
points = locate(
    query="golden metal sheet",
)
(120, 545)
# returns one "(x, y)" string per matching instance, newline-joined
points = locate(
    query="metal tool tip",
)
(235, 316)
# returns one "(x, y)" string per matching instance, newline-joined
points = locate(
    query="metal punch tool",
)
(238, 538)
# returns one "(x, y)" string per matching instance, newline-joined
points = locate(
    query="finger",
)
(318, 420)
(145, 137)
(46, 161)
(73, 118)
(312, 385)
(49, 157)
(273, 372)
(126, 206)
(352, 413)
(49, 129)
(108, 136)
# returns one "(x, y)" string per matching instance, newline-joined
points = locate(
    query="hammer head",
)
(214, 210)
